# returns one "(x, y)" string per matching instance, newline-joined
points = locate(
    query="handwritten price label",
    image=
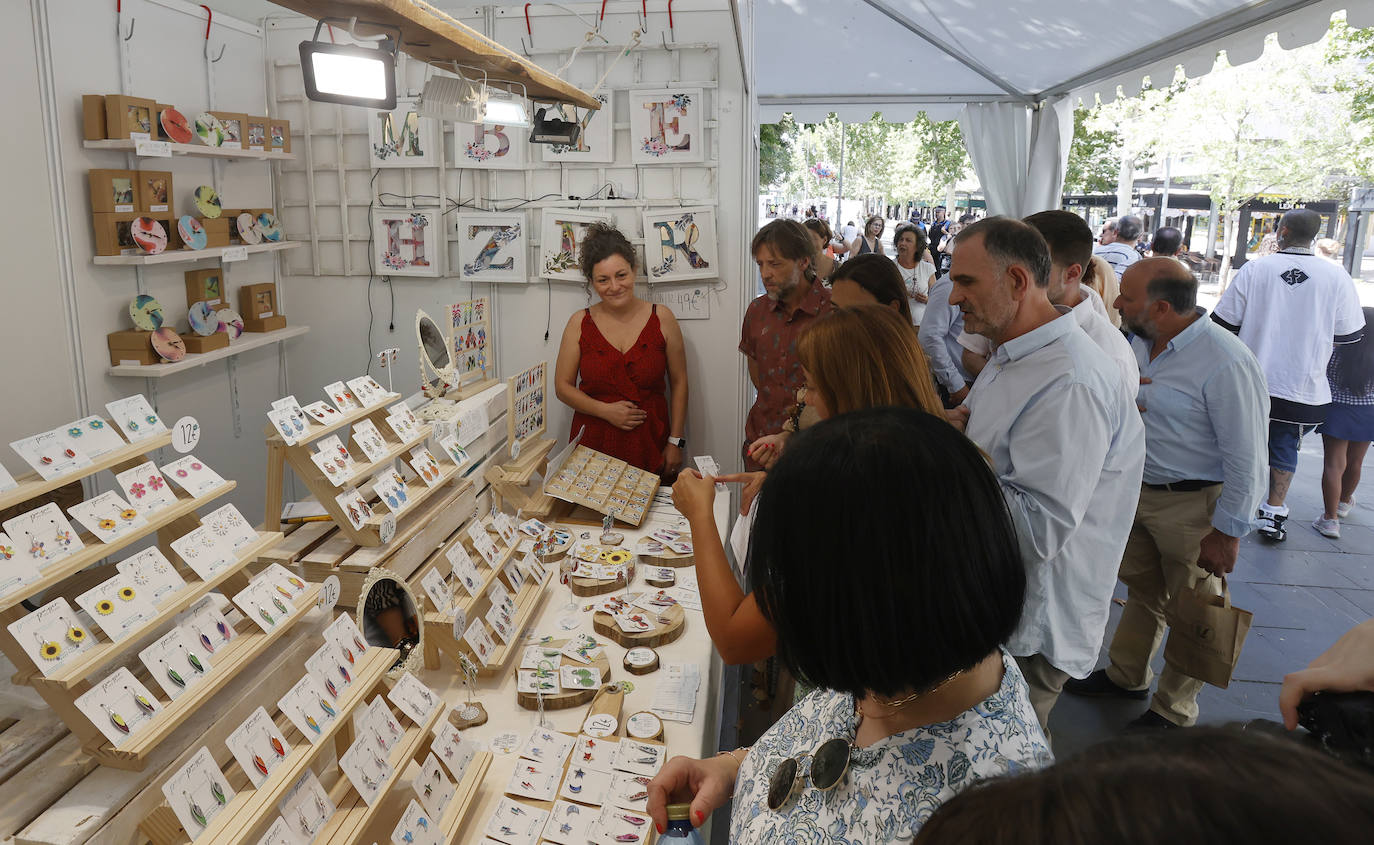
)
(234, 253)
(153, 149)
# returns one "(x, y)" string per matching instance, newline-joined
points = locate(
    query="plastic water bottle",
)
(680, 825)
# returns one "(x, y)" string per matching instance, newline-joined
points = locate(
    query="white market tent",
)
(1011, 71)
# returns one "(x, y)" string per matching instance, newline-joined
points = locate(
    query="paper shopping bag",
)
(1206, 634)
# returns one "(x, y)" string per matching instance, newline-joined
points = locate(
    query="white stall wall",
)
(329, 287)
(165, 62)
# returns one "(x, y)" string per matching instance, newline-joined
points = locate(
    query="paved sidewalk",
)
(1305, 592)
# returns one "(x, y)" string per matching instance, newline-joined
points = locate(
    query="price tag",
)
(460, 622)
(387, 529)
(185, 435)
(153, 149)
(329, 594)
(234, 253)
(139, 136)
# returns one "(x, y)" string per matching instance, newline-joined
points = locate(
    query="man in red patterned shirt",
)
(793, 299)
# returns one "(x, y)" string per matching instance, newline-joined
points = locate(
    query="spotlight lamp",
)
(505, 107)
(556, 124)
(351, 74)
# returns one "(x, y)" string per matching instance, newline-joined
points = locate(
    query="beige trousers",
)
(1046, 683)
(1159, 561)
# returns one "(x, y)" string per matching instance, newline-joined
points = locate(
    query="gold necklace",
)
(898, 704)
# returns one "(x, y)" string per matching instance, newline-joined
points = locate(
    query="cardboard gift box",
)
(235, 125)
(125, 116)
(198, 343)
(131, 346)
(112, 235)
(206, 286)
(93, 117)
(258, 305)
(113, 191)
(155, 193)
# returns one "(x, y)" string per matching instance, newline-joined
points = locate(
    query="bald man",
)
(1205, 406)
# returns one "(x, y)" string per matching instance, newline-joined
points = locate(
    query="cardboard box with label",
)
(131, 346)
(258, 305)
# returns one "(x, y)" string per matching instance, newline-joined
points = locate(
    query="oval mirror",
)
(389, 617)
(433, 345)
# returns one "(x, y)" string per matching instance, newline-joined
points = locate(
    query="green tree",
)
(775, 151)
(1094, 157)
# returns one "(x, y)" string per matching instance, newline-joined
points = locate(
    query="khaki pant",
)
(1046, 683)
(1159, 561)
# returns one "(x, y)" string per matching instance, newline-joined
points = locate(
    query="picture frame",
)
(258, 305)
(490, 146)
(492, 247)
(596, 142)
(154, 188)
(680, 244)
(255, 132)
(128, 116)
(234, 129)
(402, 138)
(666, 126)
(278, 135)
(407, 242)
(113, 191)
(205, 286)
(559, 233)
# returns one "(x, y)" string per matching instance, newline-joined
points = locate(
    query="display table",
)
(498, 692)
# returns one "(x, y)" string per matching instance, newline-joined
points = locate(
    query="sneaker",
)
(1098, 685)
(1271, 526)
(1343, 509)
(1150, 721)
(1327, 527)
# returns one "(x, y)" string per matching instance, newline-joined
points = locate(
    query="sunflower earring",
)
(76, 635)
(49, 649)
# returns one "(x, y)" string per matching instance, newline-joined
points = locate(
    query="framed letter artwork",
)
(401, 138)
(492, 146)
(406, 242)
(560, 231)
(665, 126)
(595, 143)
(492, 247)
(680, 244)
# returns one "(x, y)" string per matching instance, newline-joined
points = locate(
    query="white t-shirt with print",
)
(1119, 255)
(1290, 307)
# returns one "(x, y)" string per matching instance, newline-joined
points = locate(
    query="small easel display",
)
(525, 395)
(604, 484)
(471, 339)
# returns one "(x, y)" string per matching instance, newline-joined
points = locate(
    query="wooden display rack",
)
(71, 575)
(510, 480)
(568, 698)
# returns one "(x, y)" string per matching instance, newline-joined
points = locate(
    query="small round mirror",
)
(389, 617)
(433, 344)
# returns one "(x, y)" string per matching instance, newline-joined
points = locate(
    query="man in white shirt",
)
(1290, 308)
(1120, 251)
(1066, 443)
(1071, 248)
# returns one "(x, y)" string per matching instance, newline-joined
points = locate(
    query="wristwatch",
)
(680, 442)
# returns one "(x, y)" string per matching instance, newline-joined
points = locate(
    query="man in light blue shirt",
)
(941, 326)
(1066, 443)
(1206, 410)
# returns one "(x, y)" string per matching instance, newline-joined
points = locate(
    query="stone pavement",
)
(1305, 592)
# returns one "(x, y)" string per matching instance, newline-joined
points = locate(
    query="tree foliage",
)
(775, 151)
(1094, 157)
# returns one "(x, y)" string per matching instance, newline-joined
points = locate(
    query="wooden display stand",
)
(510, 481)
(71, 575)
(566, 698)
(667, 627)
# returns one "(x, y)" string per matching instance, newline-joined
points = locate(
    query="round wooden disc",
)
(644, 725)
(593, 587)
(455, 716)
(661, 634)
(667, 557)
(567, 698)
(640, 668)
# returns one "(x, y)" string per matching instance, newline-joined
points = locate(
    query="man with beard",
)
(1205, 406)
(1066, 443)
(793, 298)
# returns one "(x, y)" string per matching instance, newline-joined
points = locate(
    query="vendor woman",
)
(613, 358)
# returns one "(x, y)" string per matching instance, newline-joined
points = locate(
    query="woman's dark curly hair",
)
(599, 242)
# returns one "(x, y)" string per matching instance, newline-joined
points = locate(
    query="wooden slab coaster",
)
(607, 556)
(641, 660)
(667, 557)
(564, 699)
(603, 715)
(662, 633)
(644, 726)
(455, 716)
(651, 573)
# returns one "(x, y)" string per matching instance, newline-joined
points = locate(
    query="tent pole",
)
(839, 198)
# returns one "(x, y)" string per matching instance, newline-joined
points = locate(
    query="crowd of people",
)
(948, 470)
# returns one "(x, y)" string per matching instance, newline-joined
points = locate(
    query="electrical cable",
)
(371, 271)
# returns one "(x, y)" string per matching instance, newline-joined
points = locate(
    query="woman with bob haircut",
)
(898, 619)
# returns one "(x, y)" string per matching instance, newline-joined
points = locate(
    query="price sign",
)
(153, 149)
(329, 594)
(387, 529)
(185, 435)
(460, 622)
(234, 253)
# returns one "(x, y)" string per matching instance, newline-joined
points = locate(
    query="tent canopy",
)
(899, 57)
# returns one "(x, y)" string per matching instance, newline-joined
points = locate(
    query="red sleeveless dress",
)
(607, 375)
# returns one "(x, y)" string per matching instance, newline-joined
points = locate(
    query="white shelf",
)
(246, 341)
(173, 256)
(127, 145)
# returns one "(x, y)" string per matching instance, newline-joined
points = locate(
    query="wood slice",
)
(607, 702)
(651, 573)
(586, 587)
(643, 668)
(640, 725)
(667, 557)
(564, 699)
(661, 634)
(456, 718)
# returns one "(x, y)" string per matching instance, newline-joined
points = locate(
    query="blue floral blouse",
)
(892, 786)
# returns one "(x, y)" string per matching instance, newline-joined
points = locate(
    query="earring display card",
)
(569, 824)
(451, 750)
(193, 476)
(438, 590)
(500, 623)
(117, 606)
(118, 705)
(135, 418)
(204, 623)
(425, 466)
(328, 666)
(482, 542)
(365, 768)
(260, 602)
(280, 833)
(7, 481)
(479, 640)
(51, 635)
(151, 574)
(516, 824)
(501, 598)
(579, 678)
(535, 681)
(533, 780)
(286, 425)
(291, 406)
(418, 826)
(258, 746)
(342, 396)
(282, 580)
(546, 746)
(307, 805)
(368, 391)
(639, 757)
(593, 753)
(176, 662)
(455, 453)
(146, 488)
(389, 491)
(334, 460)
(585, 784)
(197, 793)
(513, 576)
(344, 633)
(354, 506)
(369, 439)
(434, 788)
(16, 569)
(309, 707)
(43, 535)
(533, 655)
(229, 526)
(629, 791)
(618, 827)
(414, 698)
(377, 719)
(323, 412)
(107, 516)
(52, 453)
(203, 552)
(95, 436)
